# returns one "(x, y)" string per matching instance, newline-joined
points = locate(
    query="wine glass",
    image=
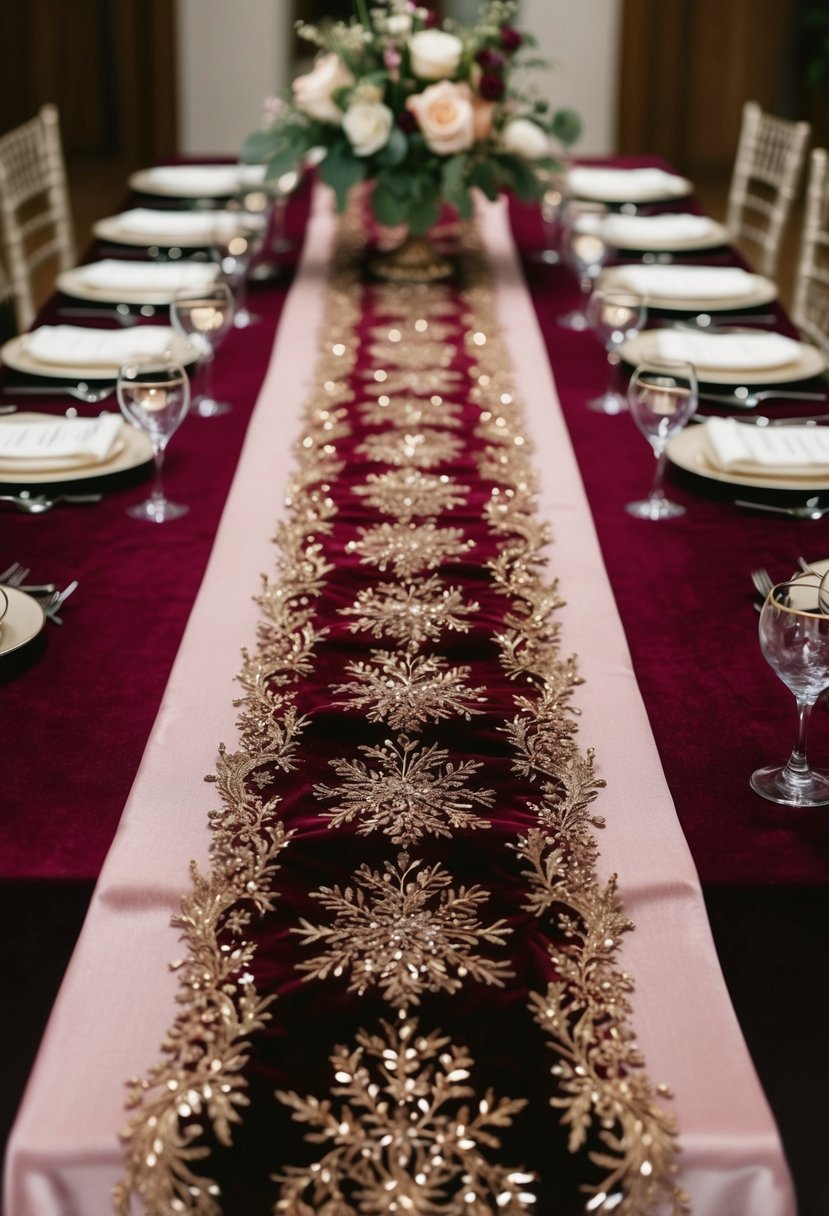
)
(552, 204)
(794, 639)
(154, 395)
(236, 246)
(280, 190)
(585, 251)
(662, 397)
(615, 315)
(204, 318)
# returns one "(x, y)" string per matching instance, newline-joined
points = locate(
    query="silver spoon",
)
(36, 504)
(811, 509)
(80, 391)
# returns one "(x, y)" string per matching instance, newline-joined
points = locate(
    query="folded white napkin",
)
(147, 276)
(78, 346)
(197, 179)
(59, 442)
(172, 225)
(639, 229)
(786, 451)
(623, 185)
(756, 350)
(686, 282)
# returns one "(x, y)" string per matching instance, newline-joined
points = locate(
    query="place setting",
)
(116, 282)
(194, 181)
(87, 353)
(619, 186)
(40, 450)
(693, 288)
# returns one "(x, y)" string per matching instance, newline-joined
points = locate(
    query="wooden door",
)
(109, 65)
(687, 67)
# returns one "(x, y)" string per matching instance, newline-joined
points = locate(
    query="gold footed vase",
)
(415, 261)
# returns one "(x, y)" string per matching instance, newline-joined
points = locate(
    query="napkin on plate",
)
(78, 346)
(210, 180)
(686, 282)
(639, 229)
(173, 225)
(786, 451)
(115, 275)
(623, 185)
(748, 350)
(58, 443)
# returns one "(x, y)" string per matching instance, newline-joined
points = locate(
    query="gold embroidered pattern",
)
(409, 1136)
(413, 791)
(406, 690)
(414, 331)
(409, 413)
(414, 356)
(409, 548)
(406, 493)
(414, 299)
(422, 449)
(406, 381)
(406, 930)
(417, 611)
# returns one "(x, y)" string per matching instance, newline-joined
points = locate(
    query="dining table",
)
(121, 743)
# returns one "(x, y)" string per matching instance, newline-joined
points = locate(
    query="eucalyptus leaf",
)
(395, 150)
(341, 170)
(566, 126)
(389, 207)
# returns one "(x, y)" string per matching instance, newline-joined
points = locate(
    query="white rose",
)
(434, 54)
(398, 24)
(368, 126)
(312, 93)
(525, 138)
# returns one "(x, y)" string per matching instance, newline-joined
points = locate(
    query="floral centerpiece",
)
(426, 112)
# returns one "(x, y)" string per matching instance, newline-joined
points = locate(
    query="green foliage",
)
(341, 170)
(566, 126)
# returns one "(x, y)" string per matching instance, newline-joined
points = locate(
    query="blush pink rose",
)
(446, 116)
(312, 93)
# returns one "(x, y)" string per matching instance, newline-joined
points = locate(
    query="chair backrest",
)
(764, 182)
(34, 205)
(811, 296)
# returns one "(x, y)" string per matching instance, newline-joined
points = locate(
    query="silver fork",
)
(14, 576)
(762, 581)
(81, 391)
(51, 605)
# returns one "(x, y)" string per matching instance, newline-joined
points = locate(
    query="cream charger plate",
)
(109, 229)
(22, 621)
(633, 192)
(687, 451)
(760, 291)
(73, 283)
(194, 181)
(15, 355)
(132, 450)
(808, 364)
(714, 238)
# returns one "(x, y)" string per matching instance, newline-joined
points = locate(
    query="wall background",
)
(231, 56)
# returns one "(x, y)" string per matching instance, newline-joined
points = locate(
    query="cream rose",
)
(368, 126)
(312, 93)
(445, 115)
(525, 138)
(434, 54)
(398, 24)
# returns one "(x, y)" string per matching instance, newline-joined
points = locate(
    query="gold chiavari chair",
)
(811, 296)
(34, 204)
(767, 167)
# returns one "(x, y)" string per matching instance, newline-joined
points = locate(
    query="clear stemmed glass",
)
(662, 397)
(267, 267)
(204, 318)
(236, 247)
(552, 204)
(794, 639)
(154, 395)
(585, 251)
(615, 315)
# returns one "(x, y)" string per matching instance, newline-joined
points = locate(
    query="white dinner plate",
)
(109, 229)
(761, 291)
(714, 238)
(196, 181)
(680, 188)
(72, 283)
(132, 450)
(22, 621)
(687, 450)
(15, 355)
(809, 363)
